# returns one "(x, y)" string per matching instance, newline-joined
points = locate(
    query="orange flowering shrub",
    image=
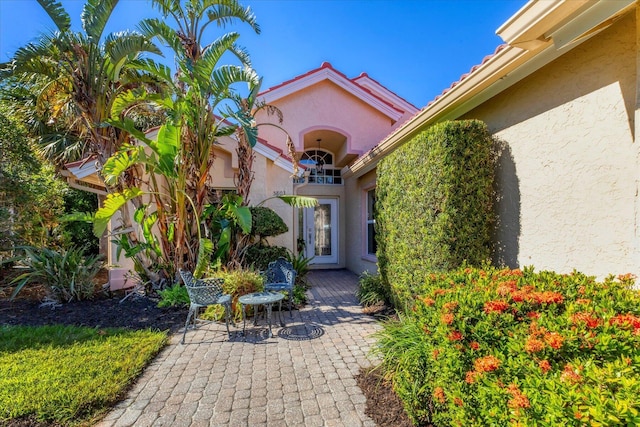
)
(516, 347)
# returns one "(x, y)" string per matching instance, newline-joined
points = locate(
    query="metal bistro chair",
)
(203, 293)
(280, 276)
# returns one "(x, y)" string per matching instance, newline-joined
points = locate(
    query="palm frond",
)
(166, 35)
(56, 12)
(126, 46)
(224, 12)
(95, 16)
(209, 60)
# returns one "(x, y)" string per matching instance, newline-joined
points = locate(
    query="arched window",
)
(320, 165)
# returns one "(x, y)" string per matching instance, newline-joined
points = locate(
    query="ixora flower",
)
(626, 321)
(486, 364)
(518, 399)
(455, 336)
(495, 306)
(548, 297)
(545, 366)
(438, 394)
(585, 318)
(554, 340)
(447, 318)
(533, 345)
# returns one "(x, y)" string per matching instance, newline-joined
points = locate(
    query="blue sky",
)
(416, 48)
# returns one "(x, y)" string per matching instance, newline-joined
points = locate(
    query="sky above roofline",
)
(415, 48)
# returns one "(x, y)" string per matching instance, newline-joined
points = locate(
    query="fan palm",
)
(70, 80)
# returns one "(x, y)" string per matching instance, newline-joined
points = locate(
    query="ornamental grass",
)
(480, 347)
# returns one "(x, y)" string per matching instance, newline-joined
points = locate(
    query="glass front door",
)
(320, 226)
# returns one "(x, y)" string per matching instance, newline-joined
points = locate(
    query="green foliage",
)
(300, 265)
(434, 204)
(259, 256)
(67, 275)
(31, 198)
(175, 296)
(66, 375)
(236, 283)
(371, 290)
(266, 223)
(485, 347)
(80, 233)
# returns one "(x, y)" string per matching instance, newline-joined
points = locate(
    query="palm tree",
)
(71, 79)
(182, 155)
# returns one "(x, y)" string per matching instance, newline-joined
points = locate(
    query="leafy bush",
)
(434, 204)
(266, 223)
(508, 347)
(67, 275)
(236, 283)
(259, 256)
(175, 296)
(371, 290)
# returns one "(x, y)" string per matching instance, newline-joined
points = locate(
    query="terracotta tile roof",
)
(365, 75)
(329, 66)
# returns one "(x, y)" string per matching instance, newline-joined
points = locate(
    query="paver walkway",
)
(259, 381)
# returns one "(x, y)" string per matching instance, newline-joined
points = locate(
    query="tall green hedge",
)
(435, 204)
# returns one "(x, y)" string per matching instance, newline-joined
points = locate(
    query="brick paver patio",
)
(287, 380)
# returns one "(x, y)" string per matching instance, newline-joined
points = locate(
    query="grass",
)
(69, 375)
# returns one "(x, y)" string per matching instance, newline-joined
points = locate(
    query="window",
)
(319, 164)
(371, 222)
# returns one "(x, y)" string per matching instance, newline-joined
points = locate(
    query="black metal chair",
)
(203, 293)
(280, 276)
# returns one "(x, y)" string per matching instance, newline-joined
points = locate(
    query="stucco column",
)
(637, 145)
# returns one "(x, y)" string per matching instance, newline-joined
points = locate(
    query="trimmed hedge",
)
(435, 204)
(265, 222)
(482, 347)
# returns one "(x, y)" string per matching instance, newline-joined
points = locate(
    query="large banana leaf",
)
(57, 14)
(166, 147)
(111, 205)
(117, 164)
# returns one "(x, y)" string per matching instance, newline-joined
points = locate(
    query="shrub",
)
(67, 275)
(266, 223)
(236, 284)
(508, 347)
(371, 290)
(175, 296)
(259, 256)
(434, 204)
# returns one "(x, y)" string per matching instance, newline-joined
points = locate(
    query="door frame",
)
(308, 223)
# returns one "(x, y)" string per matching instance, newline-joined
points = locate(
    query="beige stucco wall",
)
(568, 174)
(326, 105)
(355, 202)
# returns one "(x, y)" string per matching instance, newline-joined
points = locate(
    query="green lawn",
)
(67, 374)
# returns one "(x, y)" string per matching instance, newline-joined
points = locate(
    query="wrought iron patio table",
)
(267, 299)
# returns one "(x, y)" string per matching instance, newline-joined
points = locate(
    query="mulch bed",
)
(137, 312)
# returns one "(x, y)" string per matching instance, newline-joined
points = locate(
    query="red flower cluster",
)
(447, 318)
(626, 321)
(486, 364)
(455, 336)
(495, 306)
(518, 399)
(474, 345)
(548, 297)
(545, 366)
(428, 301)
(449, 306)
(586, 319)
(507, 288)
(533, 345)
(554, 340)
(438, 394)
